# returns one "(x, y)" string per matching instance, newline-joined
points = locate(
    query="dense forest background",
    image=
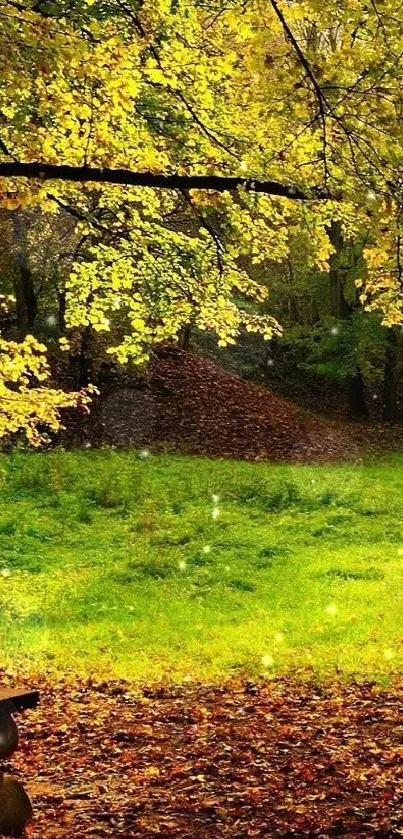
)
(221, 179)
(333, 356)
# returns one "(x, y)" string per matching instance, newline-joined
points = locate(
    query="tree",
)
(25, 404)
(182, 138)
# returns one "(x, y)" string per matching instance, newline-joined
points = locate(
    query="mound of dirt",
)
(188, 404)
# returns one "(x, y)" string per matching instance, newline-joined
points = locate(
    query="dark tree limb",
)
(126, 177)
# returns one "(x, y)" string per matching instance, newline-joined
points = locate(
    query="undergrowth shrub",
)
(348, 575)
(112, 492)
(286, 494)
(153, 569)
(260, 494)
(37, 474)
(8, 527)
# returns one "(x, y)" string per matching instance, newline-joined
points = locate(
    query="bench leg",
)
(15, 807)
(8, 735)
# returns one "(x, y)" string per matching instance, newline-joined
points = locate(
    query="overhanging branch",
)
(126, 177)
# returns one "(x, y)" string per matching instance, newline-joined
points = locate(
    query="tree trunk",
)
(315, 314)
(341, 309)
(357, 407)
(26, 302)
(86, 361)
(392, 374)
(184, 337)
(61, 315)
(292, 300)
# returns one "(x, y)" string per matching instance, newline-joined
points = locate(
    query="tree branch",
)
(210, 230)
(177, 94)
(127, 177)
(321, 99)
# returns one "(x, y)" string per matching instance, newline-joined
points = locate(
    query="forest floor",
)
(189, 404)
(242, 622)
(279, 759)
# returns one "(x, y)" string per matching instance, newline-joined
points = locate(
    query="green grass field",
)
(180, 568)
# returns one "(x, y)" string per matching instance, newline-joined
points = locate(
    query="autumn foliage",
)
(306, 97)
(247, 759)
(27, 405)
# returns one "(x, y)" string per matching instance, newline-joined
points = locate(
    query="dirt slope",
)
(190, 405)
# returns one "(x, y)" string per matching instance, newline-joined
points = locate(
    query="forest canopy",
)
(254, 125)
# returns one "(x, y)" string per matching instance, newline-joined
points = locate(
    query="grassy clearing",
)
(116, 565)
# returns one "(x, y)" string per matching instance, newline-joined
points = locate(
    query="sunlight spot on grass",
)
(279, 637)
(144, 454)
(331, 609)
(267, 661)
(206, 549)
(5, 572)
(182, 565)
(400, 551)
(388, 654)
(215, 499)
(215, 513)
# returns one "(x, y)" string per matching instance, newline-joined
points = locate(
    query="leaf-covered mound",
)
(280, 759)
(192, 405)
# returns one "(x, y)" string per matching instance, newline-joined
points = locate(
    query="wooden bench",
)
(15, 806)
